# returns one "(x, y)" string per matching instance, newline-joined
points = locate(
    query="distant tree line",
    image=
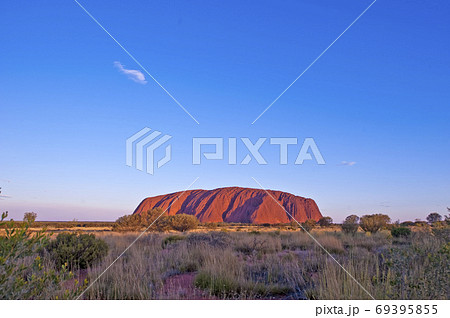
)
(156, 220)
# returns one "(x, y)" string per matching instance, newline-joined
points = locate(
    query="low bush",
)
(214, 239)
(400, 232)
(171, 239)
(257, 244)
(76, 251)
(138, 222)
(183, 222)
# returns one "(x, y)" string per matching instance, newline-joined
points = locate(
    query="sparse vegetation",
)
(288, 265)
(237, 261)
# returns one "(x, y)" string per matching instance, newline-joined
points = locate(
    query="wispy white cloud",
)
(134, 75)
(347, 163)
(4, 197)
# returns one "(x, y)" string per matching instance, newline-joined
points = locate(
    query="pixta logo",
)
(144, 140)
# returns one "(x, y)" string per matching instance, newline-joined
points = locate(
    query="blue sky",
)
(378, 97)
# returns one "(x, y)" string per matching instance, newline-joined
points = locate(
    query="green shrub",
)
(400, 232)
(22, 272)
(183, 222)
(153, 219)
(77, 251)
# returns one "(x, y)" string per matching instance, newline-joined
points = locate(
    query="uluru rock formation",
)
(234, 204)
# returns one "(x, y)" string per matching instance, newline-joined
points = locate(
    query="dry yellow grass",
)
(272, 265)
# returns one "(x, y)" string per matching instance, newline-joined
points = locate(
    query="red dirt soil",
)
(234, 204)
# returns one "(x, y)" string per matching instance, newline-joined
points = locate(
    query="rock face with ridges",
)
(234, 204)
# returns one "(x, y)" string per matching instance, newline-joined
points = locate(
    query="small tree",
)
(434, 217)
(325, 221)
(183, 222)
(374, 222)
(308, 225)
(350, 224)
(29, 217)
